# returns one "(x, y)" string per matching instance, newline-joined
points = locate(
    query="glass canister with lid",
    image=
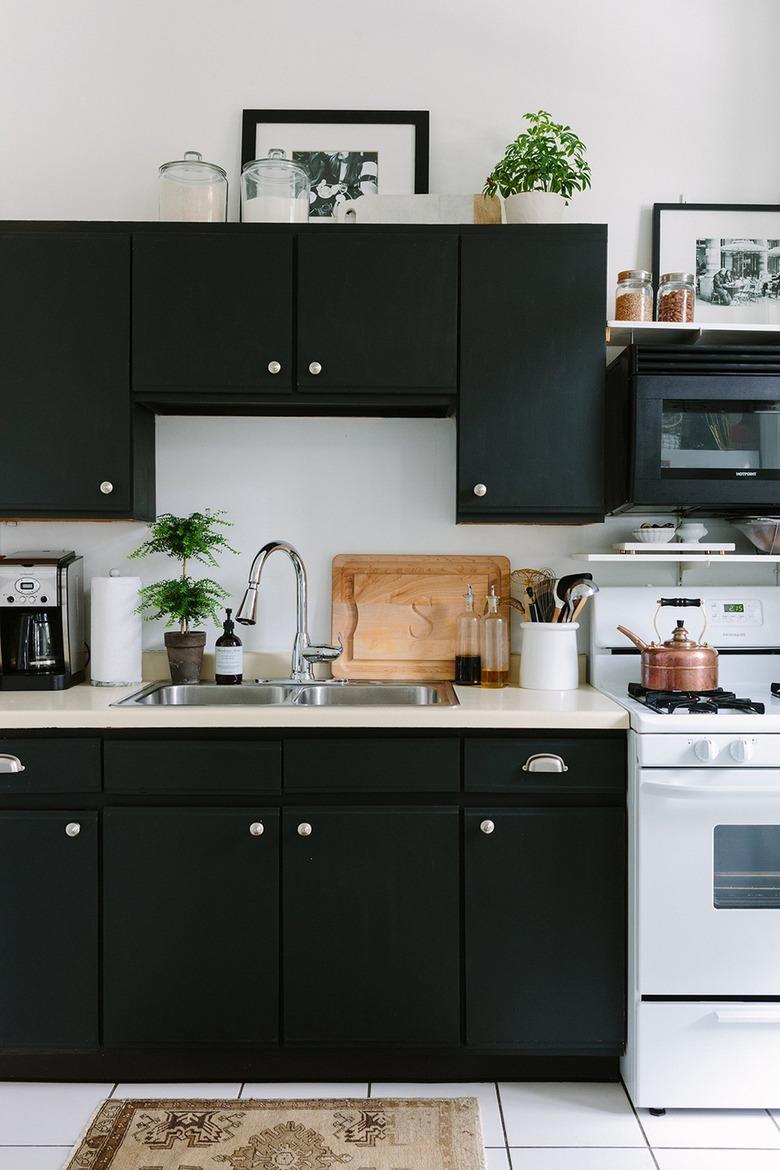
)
(274, 190)
(676, 296)
(634, 295)
(193, 191)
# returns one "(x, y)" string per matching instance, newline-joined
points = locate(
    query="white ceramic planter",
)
(534, 207)
(548, 656)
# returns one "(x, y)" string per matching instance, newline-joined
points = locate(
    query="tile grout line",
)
(639, 1123)
(503, 1123)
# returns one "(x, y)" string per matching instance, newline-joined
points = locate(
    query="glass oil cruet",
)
(468, 661)
(495, 644)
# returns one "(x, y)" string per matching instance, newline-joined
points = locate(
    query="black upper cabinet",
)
(190, 949)
(531, 412)
(212, 311)
(377, 311)
(545, 928)
(73, 447)
(371, 926)
(49, 928)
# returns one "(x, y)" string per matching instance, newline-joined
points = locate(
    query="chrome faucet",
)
(303, 653)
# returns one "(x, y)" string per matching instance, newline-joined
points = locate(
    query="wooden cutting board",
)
(397, 614)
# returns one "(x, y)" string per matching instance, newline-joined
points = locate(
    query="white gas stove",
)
(704, 855)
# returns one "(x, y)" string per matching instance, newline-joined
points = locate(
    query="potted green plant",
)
(540, 171)
(184, 600)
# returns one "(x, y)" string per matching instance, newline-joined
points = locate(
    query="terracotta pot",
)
(534, 207)
(185, 655)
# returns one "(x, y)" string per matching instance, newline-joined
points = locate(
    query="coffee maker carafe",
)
(42, 630)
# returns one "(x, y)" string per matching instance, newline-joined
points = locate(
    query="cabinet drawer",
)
(52, 765)
(497, 765)
(192, 766)
(372, 765)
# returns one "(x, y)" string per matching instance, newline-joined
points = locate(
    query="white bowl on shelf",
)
(654, 535)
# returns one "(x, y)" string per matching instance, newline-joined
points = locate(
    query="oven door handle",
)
(748, 1016)
(713, 791)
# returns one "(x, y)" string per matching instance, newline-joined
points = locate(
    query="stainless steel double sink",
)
(291, 694)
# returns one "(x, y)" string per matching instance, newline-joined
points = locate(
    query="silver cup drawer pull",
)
(544, 762)
(11, 764)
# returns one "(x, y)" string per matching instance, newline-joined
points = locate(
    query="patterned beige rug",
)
(381, 1134)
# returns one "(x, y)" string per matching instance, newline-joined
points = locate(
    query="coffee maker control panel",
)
(38, 588)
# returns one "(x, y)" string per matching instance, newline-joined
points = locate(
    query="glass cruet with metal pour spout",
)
(468, 645)
(495, 644)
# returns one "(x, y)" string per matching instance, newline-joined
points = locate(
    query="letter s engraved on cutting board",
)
(428, 630)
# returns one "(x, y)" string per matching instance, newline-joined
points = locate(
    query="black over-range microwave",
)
(694, 428)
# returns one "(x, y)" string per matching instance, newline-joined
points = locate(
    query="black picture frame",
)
(660, 207)
(419, 119)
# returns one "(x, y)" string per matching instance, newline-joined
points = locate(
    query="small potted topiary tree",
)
(184, 599)
(540, 171)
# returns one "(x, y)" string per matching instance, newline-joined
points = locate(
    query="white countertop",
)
(90, 707)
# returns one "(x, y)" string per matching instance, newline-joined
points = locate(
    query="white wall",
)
(673, 97)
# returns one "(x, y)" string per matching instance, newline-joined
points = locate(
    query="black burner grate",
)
(696, 702)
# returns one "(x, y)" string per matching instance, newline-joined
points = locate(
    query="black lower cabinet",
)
(371, 926)
(190, 947)
(545, 928)
(48, 929)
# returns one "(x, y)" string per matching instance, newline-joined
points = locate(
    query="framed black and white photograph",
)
(733, 251)
(346, 153)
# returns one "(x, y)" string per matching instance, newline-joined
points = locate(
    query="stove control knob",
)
(742, 750)
(706, 749)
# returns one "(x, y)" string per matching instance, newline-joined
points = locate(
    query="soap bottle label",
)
(228, 660)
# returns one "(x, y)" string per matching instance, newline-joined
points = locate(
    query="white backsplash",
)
(331, 486)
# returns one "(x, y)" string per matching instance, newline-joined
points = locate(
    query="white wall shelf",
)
(680, 557)
(707, 332)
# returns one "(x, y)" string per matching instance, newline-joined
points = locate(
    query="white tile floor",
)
(525, 1126)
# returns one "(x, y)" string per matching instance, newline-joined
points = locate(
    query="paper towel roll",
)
(115, 642)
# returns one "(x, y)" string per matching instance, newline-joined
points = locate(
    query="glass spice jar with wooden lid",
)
(676, 296)
(634, 295)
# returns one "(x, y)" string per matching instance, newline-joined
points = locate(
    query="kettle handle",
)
(681, 603)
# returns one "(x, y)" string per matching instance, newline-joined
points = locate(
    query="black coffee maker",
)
(42, 631)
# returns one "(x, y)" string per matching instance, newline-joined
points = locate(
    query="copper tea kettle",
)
(679, 664)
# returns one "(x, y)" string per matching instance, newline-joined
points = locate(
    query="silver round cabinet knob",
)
(315, 368)
(72, 829)
(257, 828)
(304, 829)
(106, 487)
(487, 827)
(480, 489)
(274, 367)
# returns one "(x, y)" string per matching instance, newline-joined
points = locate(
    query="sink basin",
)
(287, 694)
(207, 695)
(376, 695)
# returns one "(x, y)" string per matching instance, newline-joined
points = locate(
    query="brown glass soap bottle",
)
(228, 655)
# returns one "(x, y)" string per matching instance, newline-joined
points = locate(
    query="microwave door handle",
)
(748, 1016)
(713, 791)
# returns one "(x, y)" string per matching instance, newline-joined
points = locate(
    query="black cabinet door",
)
(545, 928)
(531, 414)
(190, 936)
(371, 926)
(49, 930)
(377, 310)
(212, 311)
(65, 374)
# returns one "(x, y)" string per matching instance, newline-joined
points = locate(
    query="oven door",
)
(708, 882)
(707, 440)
